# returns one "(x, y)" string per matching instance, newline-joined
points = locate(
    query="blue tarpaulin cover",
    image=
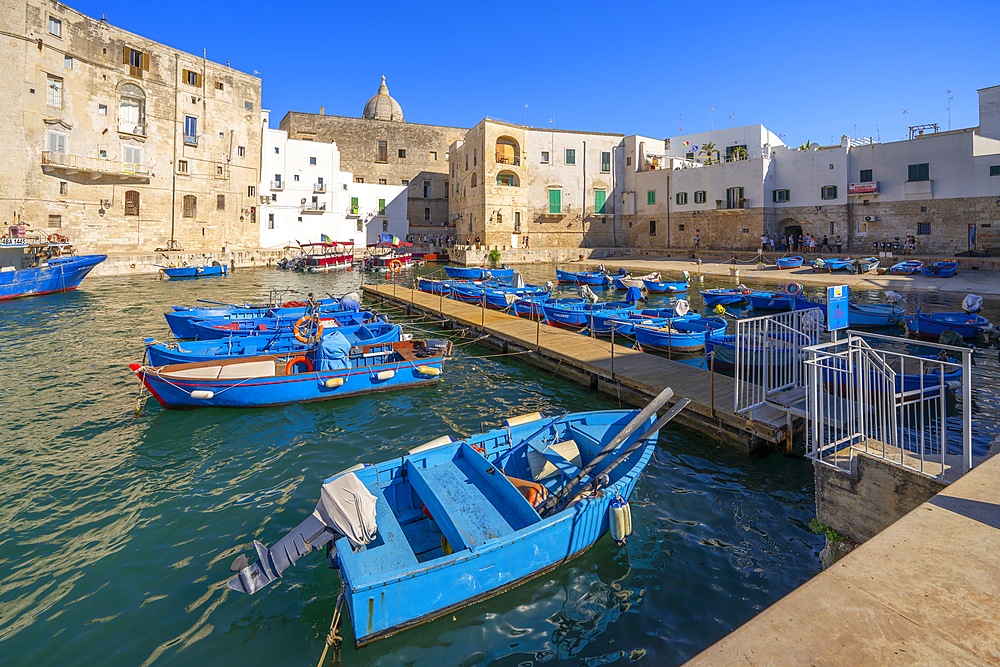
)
(332, 352)
(633, 295)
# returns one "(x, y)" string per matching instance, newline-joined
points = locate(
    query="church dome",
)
(381, 106)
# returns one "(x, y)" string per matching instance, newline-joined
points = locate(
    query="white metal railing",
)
(93, 165)
(768, 354)
(893, 404)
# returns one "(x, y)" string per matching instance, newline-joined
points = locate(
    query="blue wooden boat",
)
(280, 344)
(451, 523)
(33, 269)
(833, 264)
(665, 287)
(908, 267)
(792, 262)
(624, 322)
(592, 278)
(212, 328)
(681, 334)
(495, 296)
(875, 315)
(911, 375)
(624, 279)
(930, 326)
(478, 273)
(333, 370)
(779, 301)
(943, 269)
(181, 319)
(775, 351)
(732, 296)
(568, 314)
(176, 272)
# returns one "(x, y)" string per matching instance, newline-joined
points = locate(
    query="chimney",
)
(322, 111)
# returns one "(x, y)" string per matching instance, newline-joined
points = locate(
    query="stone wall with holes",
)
(423, 164)
(116, 181)
(736, 230)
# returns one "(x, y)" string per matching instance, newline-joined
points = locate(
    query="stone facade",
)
(122, 143)
(414, 155)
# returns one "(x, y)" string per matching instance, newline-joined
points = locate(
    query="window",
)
(131, 154)
(251, 191)
(190, 206)
(600, 201)
(277, 150)
(779, 196)
(680, 227)
(191, 78)
(605, 162)
(734, 197)
(923, 228)
(190, 130)
(274, 197)
(682, 198)
(406, 181)
(545, 157)
(427, 189)
(182, 166)
(434, 156)
(995, 170)
(63, 187)
(312, 162)
(220, 202)
(248, 105)
(359, 179)
(55, 26)
(68, 62)
(385, 225)
(382, 152)
(381, 207)
(866, 176)
(131, 202)
(354, 205)
(132, 109)
(102, 153)
(295, 177)
(136, 60)
(570, 156)
(427, 214)
(475, 157)
(467, 162)
(700, 196)
(102, 109)
(382, 181)
(628, 161)
(402, 153)
(219, 172)
(555, 201)
(53, 91)
(738, 152)
(652, 227)
(219, 85)
(650, 196)
(828, 192)
(517, 221)
(689, 156)
(241, 151)
(55, 142)
(270, 220)
(360, 226)
(475, 180)
(55, 221)
(918, 172)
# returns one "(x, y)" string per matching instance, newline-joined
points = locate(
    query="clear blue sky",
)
(806, 70)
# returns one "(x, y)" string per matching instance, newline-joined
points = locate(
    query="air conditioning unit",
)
(871, 218)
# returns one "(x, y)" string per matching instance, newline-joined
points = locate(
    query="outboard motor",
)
(517, 282)
(894, 297)
(972, 303)
(622, 271)
(633, 295)
(351, 302)
(549, 286)
(682, 307)
(588, 293)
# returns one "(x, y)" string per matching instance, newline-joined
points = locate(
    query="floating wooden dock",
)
(632, 375)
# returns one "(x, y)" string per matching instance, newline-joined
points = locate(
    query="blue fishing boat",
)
(681, 334)
(943, 269)
(592, 278)
(623, 280)
(908, 267)
(568, 314)
(833, 264)
(332, 370)
(497, 297)
(875, 315)
(773, 351)
(181, 318)
(212, 328)
(36, 268)
(920, 375)
(665, 287)
(454, 522)
(177, 272)
(279, 344)
(779, 301)
(732, 296)
(624, 322)
(478, 273)
(792, 262)
(930, 326)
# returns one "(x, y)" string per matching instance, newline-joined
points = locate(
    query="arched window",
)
(508, 151)
(132, 109)
(507, 178)
(190, 206)
(474, 180)
(131, 202)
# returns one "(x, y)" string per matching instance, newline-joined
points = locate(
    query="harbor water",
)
(118, 530)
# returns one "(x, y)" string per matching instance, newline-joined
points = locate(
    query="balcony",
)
(134, 129)
(552, 213)
(319, 187)
(190, 140)
(507, 159)
(917, 189)
(277, 185)
(65, 164)
(314, 207)
(353, 212)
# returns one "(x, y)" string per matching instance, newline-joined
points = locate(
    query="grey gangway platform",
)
(633, 375)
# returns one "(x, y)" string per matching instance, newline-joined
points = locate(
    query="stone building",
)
(122, 143)
(380, 148)
(554, 187)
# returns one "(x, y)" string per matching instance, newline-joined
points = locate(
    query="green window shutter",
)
(774, 196)
(555, 201)
(788, 195)
(651, 196)
(834, 192)
(381, 207)
(354, 205)
(600, 197)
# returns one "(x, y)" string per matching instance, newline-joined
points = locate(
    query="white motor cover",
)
(588, 293)
(682, 307)
(346, 506)
(894, 297)
(972, 303)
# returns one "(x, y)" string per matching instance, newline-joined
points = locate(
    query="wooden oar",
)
(659, 401)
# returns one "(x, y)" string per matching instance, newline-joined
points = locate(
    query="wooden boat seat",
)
(248, 369)
(390, 550)
(199, 373)
(561, 457)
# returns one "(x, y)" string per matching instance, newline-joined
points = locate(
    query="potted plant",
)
(493, 257)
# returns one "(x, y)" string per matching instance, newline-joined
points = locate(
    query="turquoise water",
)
(118, 530)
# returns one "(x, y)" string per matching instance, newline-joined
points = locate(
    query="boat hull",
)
(930, 326)
(875, 315)
(658, 287)
(478, 273)
(211, 329)
(182, 272)
(592, 278)
(62, 274)
(724, 297)
(907, 268)
(789, 262)
(941, 270)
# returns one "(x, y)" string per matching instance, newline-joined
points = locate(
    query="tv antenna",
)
(948, 92)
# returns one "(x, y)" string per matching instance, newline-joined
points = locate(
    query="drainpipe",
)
(173, 162)
(583, 197)
(669, 175)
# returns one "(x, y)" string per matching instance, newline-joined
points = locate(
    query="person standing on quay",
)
(839, 245)
(697, 241)
(525, 241)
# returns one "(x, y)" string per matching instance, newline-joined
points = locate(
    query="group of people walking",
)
(804, 243)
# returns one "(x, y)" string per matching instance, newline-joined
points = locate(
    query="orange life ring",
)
(395, 265)
(303, 320)
(53, 238)
(290, 366)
